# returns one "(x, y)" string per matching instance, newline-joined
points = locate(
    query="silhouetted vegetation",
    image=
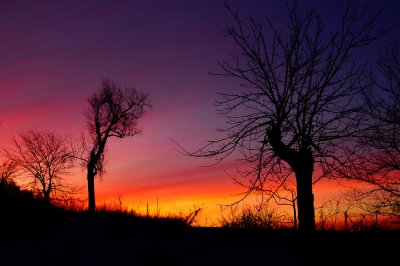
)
(376, 160)
(258, 216)
(51, 235)
(298, 102)
(305, 101)
(7, 174)
(111, 112)
(42, 159)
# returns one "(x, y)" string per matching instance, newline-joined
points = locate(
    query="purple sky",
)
(54, 54)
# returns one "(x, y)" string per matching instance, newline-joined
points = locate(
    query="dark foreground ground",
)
(65, 239)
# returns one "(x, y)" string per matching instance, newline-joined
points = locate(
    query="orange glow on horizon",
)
(54, 56)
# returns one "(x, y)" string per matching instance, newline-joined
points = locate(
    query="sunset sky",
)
(54, 54)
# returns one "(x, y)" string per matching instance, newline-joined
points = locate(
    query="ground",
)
(82, 239)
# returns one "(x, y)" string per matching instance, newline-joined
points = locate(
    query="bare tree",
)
(7, 170)
(111, 112)
(43, 158)
(298, 101)
(377, 159)
(7, 174)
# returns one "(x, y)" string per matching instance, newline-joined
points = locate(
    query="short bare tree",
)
(298, 99)
(112, 111)
(43, 159)
(7, 174)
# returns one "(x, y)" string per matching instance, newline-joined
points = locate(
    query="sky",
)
(54, 55)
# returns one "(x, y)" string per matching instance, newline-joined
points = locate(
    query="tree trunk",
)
(305, 204)
(91, 173)
(46, 197)
(92, 203)
(304, 169)
(294, 215)
(302, 163)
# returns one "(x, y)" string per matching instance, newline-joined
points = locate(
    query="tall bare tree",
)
(43, 158)
(111, 112)
(298, 99)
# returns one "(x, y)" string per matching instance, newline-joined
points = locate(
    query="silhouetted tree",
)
(7, 173)
(43, 158)
(298, 100)
(377, 159)
(111, 112)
